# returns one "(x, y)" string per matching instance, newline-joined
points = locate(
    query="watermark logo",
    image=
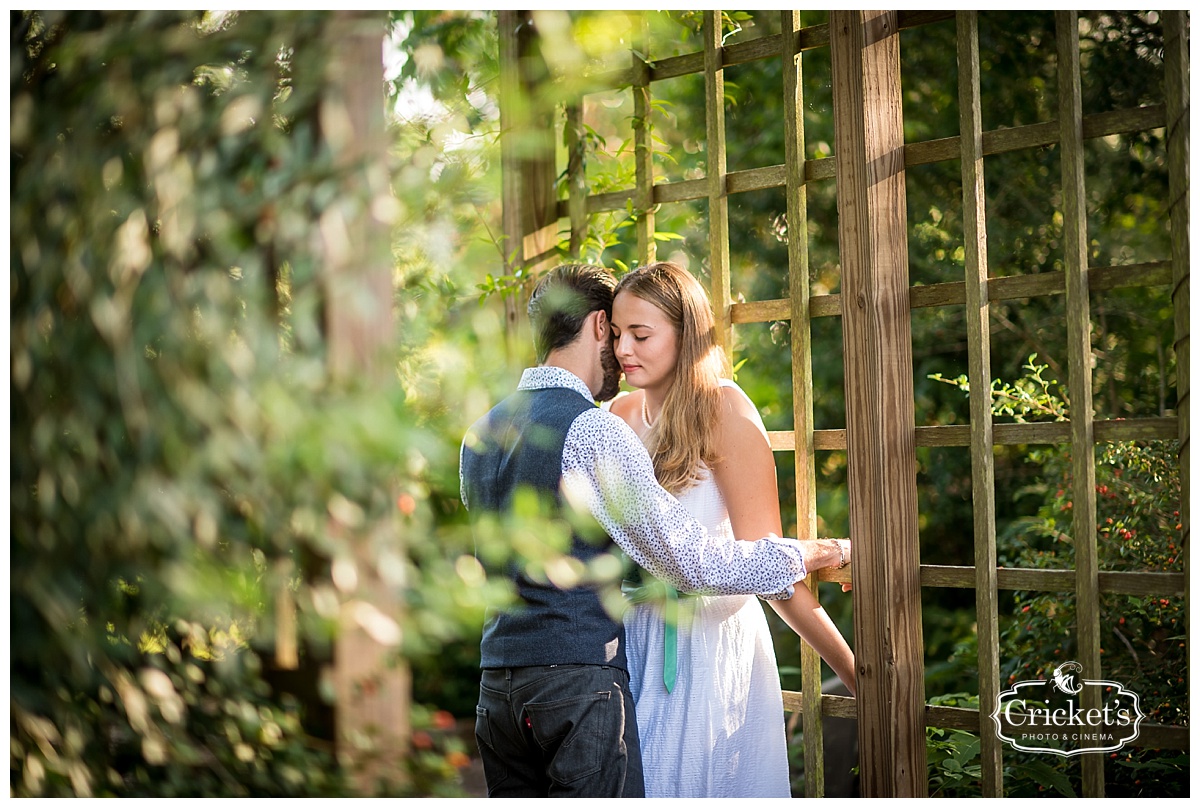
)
(1068, 714)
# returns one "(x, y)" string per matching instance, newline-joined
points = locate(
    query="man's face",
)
(612, 372)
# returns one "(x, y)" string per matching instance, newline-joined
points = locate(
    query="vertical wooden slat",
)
(528, 171)
(373, 691)
(802, 394)
(880, 420)
(508, 24)
(577, 188)
(287, 640)
(1079, 358)
(718, 202)
(983, 490)
(643, 146)
(1175, 30)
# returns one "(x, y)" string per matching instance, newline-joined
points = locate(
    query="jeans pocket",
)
(483, 727)
(494, 769)
(577, 733)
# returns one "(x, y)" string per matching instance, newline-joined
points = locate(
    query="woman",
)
(714, 726)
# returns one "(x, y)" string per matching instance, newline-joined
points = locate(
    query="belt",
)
(658, 592)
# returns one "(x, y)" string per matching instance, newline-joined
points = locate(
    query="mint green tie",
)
(670, 637)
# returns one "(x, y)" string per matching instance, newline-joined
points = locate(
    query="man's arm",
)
(608, 471)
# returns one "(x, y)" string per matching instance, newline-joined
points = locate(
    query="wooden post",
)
(802, 393)
(577, 187)
(373, 690)
(880, 420)
(643, 144)
(530, 206)
(718, 202)
(983, 488)
(1079, 381)
(1175, 30)
(508, 24)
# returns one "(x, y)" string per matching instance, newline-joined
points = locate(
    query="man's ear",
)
(602, 329)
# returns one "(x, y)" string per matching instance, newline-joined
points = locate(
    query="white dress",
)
(720, 732)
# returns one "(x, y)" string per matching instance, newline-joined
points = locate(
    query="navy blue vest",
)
(519, 443)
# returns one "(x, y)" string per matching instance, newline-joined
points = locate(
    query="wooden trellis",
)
(875, 305)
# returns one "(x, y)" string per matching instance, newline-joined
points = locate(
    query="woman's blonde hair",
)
(684, 436)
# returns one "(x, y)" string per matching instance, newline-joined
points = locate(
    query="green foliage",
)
(952, 754)
(1127, 224)
(1142, 637)
(1028, 397)
(181, 454)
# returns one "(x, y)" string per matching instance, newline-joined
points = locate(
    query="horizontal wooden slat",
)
(915, 19)
(755, 179)
(675, 66)
(765, 311)
(1130, 429)
(1155, 584)
(599, 203)
(810, 38)
(768, 47)
(832, 706)
(765, 47)
(1162, 736)
(1014, 287)
(833, 574)
(1150, 736)
(825, 306)
(1001, 141)
(1153, 273)
(823, 439)
(937, 294)
(995, 142)
(761, 311)
(1100, 279)
(1124, 121)
(1043, 432)
(681, 191)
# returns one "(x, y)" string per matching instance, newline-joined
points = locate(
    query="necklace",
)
(646, 414)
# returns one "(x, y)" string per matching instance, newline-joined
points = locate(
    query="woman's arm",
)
(745, 475)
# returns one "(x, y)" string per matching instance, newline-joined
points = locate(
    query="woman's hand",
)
(844, 548)
(821, 553)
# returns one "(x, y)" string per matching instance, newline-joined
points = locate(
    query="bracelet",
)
(842, 552)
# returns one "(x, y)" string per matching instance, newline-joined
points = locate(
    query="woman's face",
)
(645, 342)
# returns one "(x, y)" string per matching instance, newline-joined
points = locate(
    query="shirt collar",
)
(550, 376)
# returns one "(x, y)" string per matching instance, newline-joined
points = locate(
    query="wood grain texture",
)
(999, 141)
(802, 392)
(643, 144)
(979, 371)
(1178, 80)
(718, 202)
(953, 293)
(1079, 382)
(881, 452)
(577, 190)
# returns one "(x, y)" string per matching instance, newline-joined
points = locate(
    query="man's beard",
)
(612, 374)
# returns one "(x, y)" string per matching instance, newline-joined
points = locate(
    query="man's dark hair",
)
(562, 300)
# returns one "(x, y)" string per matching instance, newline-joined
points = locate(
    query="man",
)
(555, 716)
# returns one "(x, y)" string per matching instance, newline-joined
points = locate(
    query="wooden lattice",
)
(875, 307)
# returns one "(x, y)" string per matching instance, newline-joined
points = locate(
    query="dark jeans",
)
(558, 731)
